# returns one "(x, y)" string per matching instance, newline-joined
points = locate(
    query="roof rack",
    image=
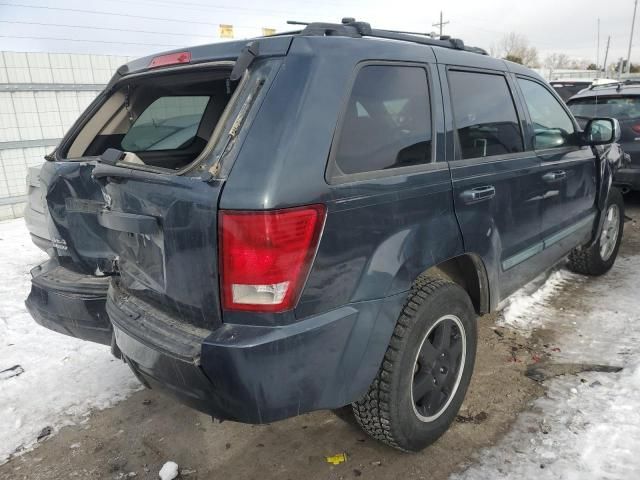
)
(354, 29)
(618, 85)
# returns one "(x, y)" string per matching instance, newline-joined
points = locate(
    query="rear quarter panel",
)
(380, 234)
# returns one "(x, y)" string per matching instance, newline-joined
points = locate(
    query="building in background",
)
(41, 95)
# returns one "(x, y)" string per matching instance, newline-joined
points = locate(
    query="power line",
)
(90, 41)
(202, 6)
(96, 12)
(128, 30)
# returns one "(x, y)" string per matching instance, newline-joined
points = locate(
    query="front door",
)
(568, 171)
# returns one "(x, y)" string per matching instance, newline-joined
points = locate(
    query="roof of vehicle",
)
(448, 49)
(628, 87)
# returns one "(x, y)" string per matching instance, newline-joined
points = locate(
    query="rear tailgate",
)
(165, 229)
(157, 228)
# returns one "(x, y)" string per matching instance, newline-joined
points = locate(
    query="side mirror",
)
(602, 131)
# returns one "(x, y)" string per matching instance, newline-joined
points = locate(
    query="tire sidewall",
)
(411, 432)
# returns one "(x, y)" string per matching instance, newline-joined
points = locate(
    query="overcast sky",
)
(137, 27)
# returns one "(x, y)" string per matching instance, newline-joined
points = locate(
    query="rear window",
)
(387, 123)
(168, 123)
(566, 90)
(160, 120)
(618, 107)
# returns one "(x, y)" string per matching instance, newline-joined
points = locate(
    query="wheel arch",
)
(468, 271)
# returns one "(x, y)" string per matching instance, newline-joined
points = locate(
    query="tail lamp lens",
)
(265, 256)
(636, 128)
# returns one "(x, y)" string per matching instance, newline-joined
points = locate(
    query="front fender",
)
(609, 159)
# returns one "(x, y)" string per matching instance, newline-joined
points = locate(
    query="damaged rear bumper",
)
(256, 374)
(69, 302)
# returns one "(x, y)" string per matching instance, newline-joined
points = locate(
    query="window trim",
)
(457, 149)
(577, 130)
(331, 175)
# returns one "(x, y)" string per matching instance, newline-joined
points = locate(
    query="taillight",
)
(636, 128)
(265, 256)
(170, 59)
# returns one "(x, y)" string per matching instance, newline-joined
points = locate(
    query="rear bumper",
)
(256, 374)
(69, 302)
(628, 177)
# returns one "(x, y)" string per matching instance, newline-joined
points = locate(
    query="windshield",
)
(622, 108)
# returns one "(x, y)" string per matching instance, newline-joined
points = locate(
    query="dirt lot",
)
(143, 432)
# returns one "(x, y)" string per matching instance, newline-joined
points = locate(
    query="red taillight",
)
(265, 256)
(170, 59)
(636, 128)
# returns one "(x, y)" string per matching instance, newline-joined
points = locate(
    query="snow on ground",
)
(63, 378)
(518, 308)
(587, 426)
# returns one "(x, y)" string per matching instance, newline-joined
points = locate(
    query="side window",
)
(484, 114)
(387, 123)
(551, 124)
(169, 123)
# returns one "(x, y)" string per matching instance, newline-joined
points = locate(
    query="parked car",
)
(568, 87)
(620, 101)
(351, 201)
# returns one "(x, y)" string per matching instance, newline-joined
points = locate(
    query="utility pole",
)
(598, 51)
(633, 21)
(442, 24)
(606, 54)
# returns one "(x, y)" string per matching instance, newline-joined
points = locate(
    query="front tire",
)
(426, 370)
(600, 257)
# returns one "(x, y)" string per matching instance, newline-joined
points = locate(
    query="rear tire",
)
(426, 370)
(600, 257)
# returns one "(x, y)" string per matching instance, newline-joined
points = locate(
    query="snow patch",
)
(62, 378)
(526, 309)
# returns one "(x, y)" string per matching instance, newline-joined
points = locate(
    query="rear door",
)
(496, 183)
(568, 173)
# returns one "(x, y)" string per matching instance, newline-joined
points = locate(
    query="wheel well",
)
(467, 271)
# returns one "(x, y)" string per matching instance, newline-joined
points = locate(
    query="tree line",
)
(516, 48)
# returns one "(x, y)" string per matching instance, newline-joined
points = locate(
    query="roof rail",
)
(354, 29)
(618, 85)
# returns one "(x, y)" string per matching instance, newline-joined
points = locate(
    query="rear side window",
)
(169, 123)
(484, 114)
(387, 123)
(552, 125)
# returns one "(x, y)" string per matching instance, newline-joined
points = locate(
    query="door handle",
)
(554, 176)
(478, 194)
